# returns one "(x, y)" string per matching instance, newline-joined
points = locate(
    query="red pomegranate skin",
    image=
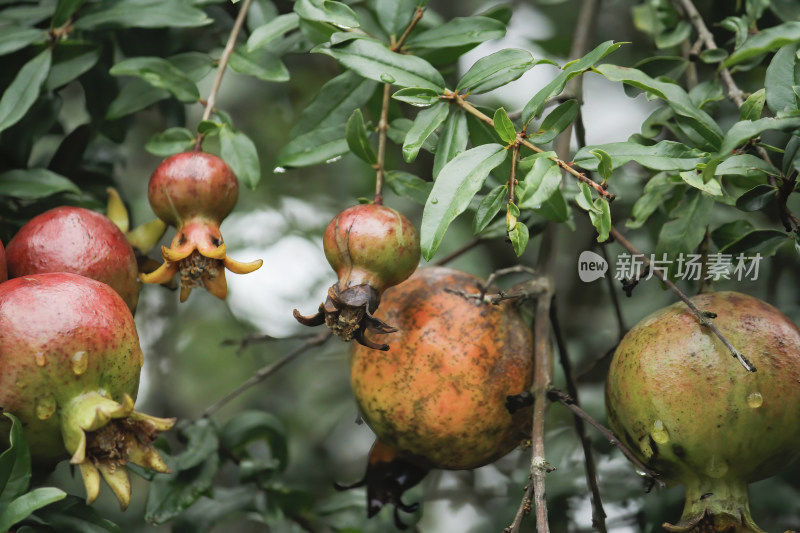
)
(438, 394)
(371, 244)
(76, 240)
(62, 336)
(3, 264)
(193, 184)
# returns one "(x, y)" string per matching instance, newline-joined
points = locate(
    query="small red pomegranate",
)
(371, 247)
(387, 477)
(689, 411)
(195, 191)
(69, 370)
(439, 395)
(77, 240)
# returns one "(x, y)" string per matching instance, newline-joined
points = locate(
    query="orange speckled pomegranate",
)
(438, 395)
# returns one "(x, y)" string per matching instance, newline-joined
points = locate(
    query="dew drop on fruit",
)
(80, 362)
(45, 407)
(754, 400)
(659, 433)
(39, 359)
(715, 468)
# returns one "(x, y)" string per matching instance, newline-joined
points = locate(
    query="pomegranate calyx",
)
(348, 314)
(104, 435)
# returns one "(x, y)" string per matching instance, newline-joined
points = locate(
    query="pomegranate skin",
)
(688, 410)
(438, 395)
(3, 264)
(76, 240)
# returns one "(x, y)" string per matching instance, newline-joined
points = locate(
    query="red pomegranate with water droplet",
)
(694, 415)
(195, 191)
(69, 370)
(77, 240)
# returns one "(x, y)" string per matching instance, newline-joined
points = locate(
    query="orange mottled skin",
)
(438, 395)
(45, 320)
(677, 398)
(77, 240)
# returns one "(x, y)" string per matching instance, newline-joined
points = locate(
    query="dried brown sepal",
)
(348, 314)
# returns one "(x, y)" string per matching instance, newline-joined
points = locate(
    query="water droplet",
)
(39, 359)
(279, 170)
(387, 78)
(434, 200)
(659, 433)
(45, 407)
(641, 472)
(80, 362)
(333, 159)
(754, 400)
(716, 469)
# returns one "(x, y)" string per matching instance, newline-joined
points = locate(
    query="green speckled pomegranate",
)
(371, 247)
(692, 413)
(438, 396)
(69, 370)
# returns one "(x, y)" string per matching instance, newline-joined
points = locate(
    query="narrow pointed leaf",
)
(329, 11)
(557, 121)
(504, 127)
(24, 90)
(394, 15)
(491, 204)
(334, 103)
(159, 73)
(459, 31)
(15, 38)
(141, 14)
(358, 138)
(665, 155)
(766, 40)
(424, 125)
(262, 65)
(539, 184)
(170, 141)
(272, 30)
(409, 186)
(782, 74)
(239, 151)
(452, 141)
(756, 198)
(417, 96)
(745, 130)
(496, 70)
(752, 107)
(602, 220)
(34, 183)
(22, 507)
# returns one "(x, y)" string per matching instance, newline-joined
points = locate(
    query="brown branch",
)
(248, 340)
(265, 372)
(223, 64)
(702, 316)
(458, 252)
(512, 178)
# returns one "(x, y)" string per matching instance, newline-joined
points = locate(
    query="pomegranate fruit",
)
(195, 191)
(387, 477)
(77, 240)
(371, 247)
(439, 396)
(689, 411)
(69, 370)
(3, 264)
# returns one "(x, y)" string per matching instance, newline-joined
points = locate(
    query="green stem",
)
(715, 505)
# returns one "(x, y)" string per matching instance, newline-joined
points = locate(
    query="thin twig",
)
(223, 64)
(598, 513)
(458, 252)
(265, 372)
(512, 178)
(564, 399)
(541, 383)
(245, 342)
(614, 298)
(702, 316)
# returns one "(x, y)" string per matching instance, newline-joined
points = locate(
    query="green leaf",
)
(72, 515)
(745, 165)
(518, 235)
(34, 183)
(496, 70)
(64, 10)
(452, 141)
(602, 220)
(262, 65)
(16, 38)
(555, 208)
(394, 15)
(273, 29)
(665, 155)
(373, 60)
(714, 55)
(424, 125)
(209, 128)
(24, 90)
(320, 145)
(417, 96)
(574, 68)
(782, 74)
(409, 186)
(134, 96)
(737, 25)
(756, 198)
(680, 102)
(745, 130)
(686, 230)
(491, 204)
(170, 142)
(730, 232)
(693, 179)
(453, 190)
(239, 151)
(504, 127)
(171, 494)
(539, 184)
(675, 36)
(112, 14)
(358, 138)
(658, 189)
(329, 11)
(334, 103)
(604, 164)
(159, 73)
(71, 59)
(459, 31)
(764, 241)
(752, 107)
(20, 508)
(585, 201)
(766, 40)
(251, 426)
(15, 462)
(557, 121)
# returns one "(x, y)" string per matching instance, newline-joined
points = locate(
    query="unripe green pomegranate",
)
(69, 370)
(195, 191)
(692, 413)
(371, 247)
(77, 240)
(439, 395)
